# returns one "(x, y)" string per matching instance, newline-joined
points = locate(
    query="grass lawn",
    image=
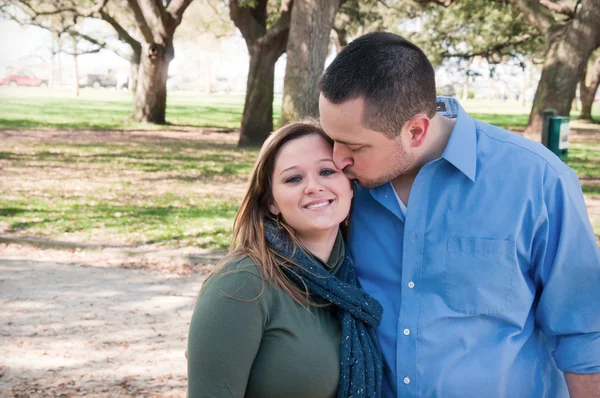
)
(162, 185)
(177, 191)
(34, 108)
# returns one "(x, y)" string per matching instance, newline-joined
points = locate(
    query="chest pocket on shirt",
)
(479, 275)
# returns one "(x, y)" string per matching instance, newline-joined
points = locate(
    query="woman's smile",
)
(319, 204)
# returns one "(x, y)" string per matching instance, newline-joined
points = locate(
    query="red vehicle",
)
(23, 79)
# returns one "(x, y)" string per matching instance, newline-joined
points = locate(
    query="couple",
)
(479, 271)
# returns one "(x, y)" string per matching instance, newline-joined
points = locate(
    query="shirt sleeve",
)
(225, 334)
(567, 260)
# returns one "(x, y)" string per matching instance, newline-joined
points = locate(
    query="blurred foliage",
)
(466, 29)
(205, 17)
(493, 30)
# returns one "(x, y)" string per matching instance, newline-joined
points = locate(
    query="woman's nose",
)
(313, 184)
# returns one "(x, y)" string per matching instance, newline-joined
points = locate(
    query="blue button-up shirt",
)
(491, 283)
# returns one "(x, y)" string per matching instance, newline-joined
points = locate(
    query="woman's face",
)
(310, 193)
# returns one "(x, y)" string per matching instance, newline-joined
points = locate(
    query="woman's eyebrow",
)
(295, 167)
(289, 168)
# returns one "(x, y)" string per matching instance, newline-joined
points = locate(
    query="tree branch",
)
(559, 8)
(176, 8)
(68, 15)
(539, 17)
(99, 7)
(122, 34)
(30, 12)
(245, 22)
(141, 21)
(282, 24)
(445, 3)
(488, 52)
(286, 5)
(158, 11)
(94, 51)
(101, 44)
(78, 11)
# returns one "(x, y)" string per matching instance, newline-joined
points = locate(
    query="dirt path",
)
(91, 323)
(74, 330)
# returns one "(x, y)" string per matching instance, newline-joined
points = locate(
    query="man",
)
(475, 240)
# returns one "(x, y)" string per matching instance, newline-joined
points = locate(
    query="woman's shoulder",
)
(239, 279)
(242, 267)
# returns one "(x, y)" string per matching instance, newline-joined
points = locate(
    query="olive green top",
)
(243, 346)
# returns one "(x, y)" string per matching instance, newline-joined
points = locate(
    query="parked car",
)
(97, 80)
(23, 79)
(220, 85)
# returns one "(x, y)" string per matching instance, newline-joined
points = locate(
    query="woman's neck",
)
(320, 244)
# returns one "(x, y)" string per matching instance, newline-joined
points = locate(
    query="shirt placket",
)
(412, 263)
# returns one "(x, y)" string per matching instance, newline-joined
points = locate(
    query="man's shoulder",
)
(513, 147)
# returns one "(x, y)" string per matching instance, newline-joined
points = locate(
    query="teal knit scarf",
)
(359, 314)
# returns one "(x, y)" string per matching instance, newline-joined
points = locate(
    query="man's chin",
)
(368, 184)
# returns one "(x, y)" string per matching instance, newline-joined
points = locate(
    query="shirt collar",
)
(461, 150)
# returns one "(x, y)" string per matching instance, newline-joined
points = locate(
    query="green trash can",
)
(555, 134)
(558, 136)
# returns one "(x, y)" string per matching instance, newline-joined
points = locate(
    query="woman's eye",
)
(293, 179)
(354, 150)
(327, 172)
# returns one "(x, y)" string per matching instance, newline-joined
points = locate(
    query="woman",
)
(283, 316)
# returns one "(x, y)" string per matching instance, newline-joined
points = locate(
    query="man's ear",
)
(418, 126)
(273, 208)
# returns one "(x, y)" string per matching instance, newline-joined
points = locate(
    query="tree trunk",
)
(134, 69)
(568, 49)
(75, 68)
(257, 120)
(265, 46)
(56, 75)
(53, 62)
(340, 38)
(588, 91)
(151, 93)
(310, 27)
(465, 93)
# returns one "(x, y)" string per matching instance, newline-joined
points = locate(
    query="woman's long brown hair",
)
(249, 224)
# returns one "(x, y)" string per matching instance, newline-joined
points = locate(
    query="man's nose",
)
(341, 156)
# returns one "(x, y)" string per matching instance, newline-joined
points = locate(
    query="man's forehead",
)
(345, 133)
(352, 108)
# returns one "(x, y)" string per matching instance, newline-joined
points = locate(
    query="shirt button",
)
(406, 332)
(413, 237)
(406, 380)
(411, 284)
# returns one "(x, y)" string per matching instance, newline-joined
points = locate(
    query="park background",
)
(116, 201)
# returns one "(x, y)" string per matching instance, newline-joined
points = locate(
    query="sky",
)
(31, 46)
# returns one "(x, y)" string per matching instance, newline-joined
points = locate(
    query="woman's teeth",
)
(317, 205)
